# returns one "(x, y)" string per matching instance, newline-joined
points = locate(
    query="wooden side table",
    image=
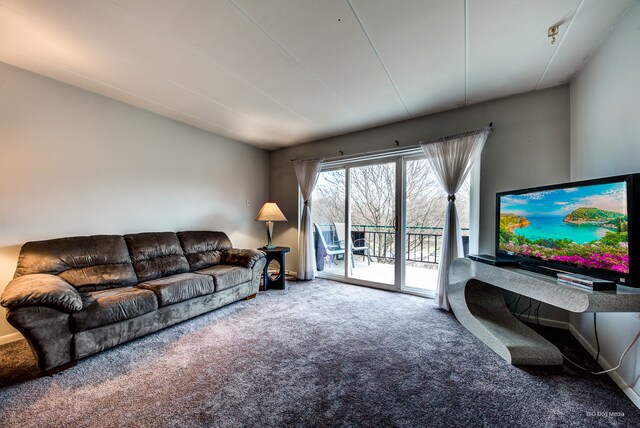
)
(277, 254)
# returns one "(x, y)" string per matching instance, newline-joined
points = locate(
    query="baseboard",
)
(547, 322)
(622, 384)
(8, 338)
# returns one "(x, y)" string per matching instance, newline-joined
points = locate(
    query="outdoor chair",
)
(332, 249)
(357, 245)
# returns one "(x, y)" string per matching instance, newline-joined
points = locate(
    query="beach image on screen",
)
(584, 226)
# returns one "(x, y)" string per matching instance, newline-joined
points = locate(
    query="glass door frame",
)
(397, 162)
(400, 161)
(403, 230)
(399, 240)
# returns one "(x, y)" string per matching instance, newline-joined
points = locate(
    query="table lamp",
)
(270, 213)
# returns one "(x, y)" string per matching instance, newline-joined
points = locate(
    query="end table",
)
(277, 255)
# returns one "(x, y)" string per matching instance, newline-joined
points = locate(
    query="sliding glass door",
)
(358, 202)
(424, 207)
(373, 223)
(379, 223)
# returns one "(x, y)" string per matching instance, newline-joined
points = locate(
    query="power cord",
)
(525, 309)
(512, 300)
(611, 369)
(529, 311)
(537, 312)
(515, 307)
(595, 331)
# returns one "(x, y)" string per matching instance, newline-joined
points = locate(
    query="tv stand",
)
(476, 297)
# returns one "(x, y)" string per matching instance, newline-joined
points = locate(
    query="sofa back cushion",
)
(156, 255)
(203, 248)
(87, 262)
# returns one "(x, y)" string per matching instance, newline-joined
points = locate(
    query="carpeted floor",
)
(318, 354)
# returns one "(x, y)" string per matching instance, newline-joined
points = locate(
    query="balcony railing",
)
(422, 242)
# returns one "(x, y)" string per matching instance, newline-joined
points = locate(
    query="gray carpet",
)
(318, 354)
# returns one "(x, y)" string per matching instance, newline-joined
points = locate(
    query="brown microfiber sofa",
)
(74, 297)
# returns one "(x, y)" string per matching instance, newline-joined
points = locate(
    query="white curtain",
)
(307, 174)
(451, 161)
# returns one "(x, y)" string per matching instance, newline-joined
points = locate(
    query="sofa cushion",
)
(226, 276)
(110, 306)
(86, 262)
(155, 255)
(177, 288)
(204, 248)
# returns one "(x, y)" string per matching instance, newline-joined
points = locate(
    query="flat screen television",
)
(590, 227)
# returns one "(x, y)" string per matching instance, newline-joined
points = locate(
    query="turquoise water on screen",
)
(545, 227)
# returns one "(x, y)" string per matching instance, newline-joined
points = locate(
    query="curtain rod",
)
(416, 146)
(460, 134)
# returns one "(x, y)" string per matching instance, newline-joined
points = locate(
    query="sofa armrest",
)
(244, 258)
(48, 333)
(41, 290)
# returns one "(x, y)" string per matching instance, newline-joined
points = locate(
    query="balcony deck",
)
(420, 277)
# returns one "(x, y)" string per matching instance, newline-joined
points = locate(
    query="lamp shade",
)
(270, 212)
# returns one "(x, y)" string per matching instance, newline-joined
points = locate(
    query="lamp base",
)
(269, 245)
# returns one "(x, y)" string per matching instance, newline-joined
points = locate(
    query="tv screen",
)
(580, 227)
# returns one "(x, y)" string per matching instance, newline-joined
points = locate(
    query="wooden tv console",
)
(476, 297)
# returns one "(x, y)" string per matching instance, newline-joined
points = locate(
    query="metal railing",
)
(422, 242)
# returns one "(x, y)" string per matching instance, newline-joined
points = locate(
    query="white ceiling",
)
(274, 73)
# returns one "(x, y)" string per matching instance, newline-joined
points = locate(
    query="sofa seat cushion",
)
(177, 288)
(226, 276)
(110, 306)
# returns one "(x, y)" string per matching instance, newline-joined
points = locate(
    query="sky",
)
(610, 197)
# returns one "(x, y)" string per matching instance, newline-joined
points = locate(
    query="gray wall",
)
(75, 163)
(529, 147)
(605, 140)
